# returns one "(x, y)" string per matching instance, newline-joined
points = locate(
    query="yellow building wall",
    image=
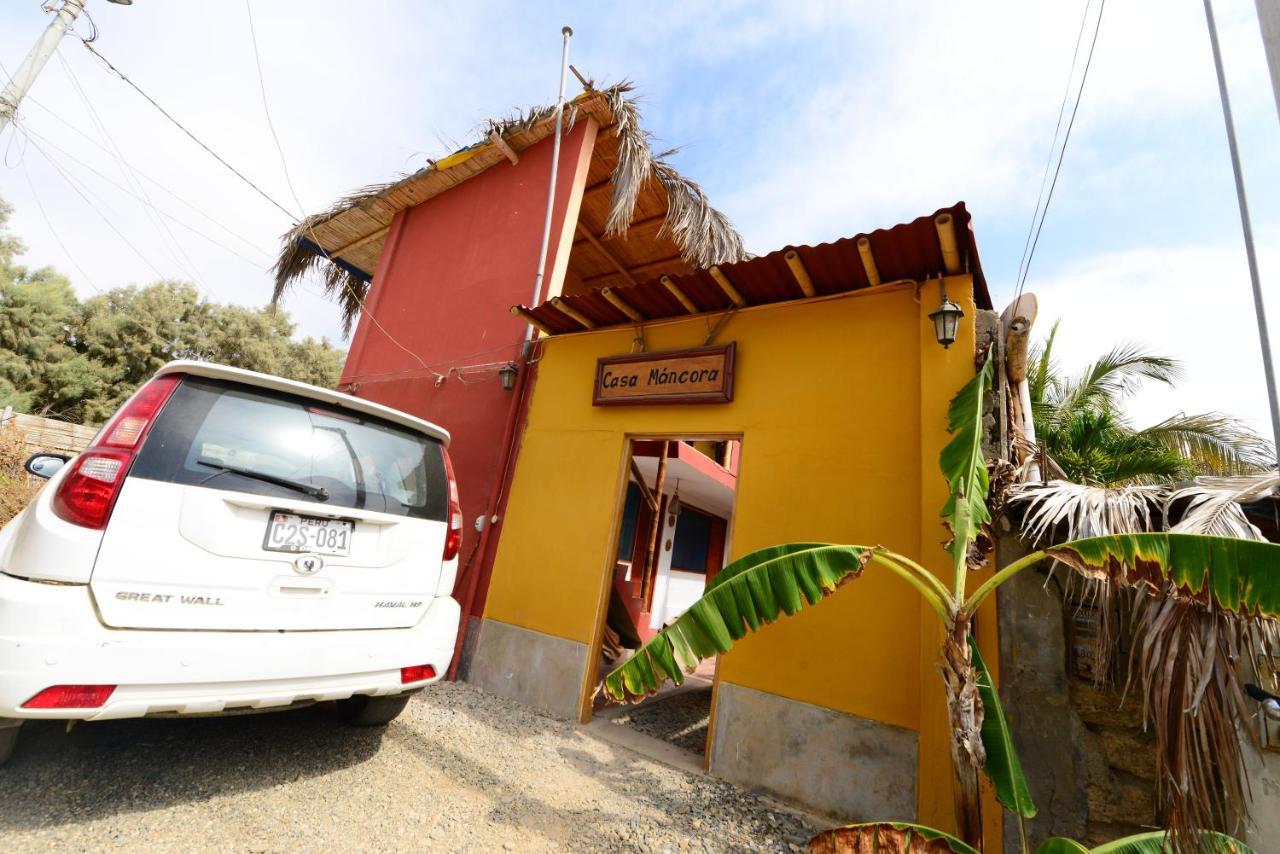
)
(841, 406)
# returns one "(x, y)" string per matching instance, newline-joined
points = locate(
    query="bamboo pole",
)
(504, 147)
(621, 305)
(679, 295)
(947, 240)
(868, 262)
(570, 311)
(603, 250)
(798, 270)
(650, 573)
(527, 316)
(727, 286)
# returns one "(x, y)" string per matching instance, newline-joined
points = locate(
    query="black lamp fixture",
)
(508, 373)
(946, 320)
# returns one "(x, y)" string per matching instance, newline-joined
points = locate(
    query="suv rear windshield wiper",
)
(317, 492)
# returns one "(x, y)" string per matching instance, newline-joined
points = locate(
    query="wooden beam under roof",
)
(360, 242)
(675, 264)
(727, 286)
(603, 250)
(527, 316)
(496, 139)
(679, 295)
(621, 305)
(571, 312)
(792, 257)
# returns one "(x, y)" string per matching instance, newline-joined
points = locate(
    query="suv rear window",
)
(209, 427)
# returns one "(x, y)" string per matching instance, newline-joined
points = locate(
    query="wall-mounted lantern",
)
(946, 321)
(508, 373)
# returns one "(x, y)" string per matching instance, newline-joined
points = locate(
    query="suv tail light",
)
(71, 697)
(453, 539)
(88, 492)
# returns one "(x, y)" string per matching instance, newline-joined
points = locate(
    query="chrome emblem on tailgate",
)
(308, 564)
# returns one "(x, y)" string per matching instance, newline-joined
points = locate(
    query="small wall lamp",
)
(946, 320)
(508, 373)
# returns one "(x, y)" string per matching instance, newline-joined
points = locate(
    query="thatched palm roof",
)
(343, 243)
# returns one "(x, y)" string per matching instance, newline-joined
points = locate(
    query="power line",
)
(28, 131)
(1053, 144)
(183, 128)
(262, 87)
(154, 181)
(1026, 270)
(167, 238)
(92, 206)
(45, 216)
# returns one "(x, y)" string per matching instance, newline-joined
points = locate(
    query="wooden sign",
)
(702, 375)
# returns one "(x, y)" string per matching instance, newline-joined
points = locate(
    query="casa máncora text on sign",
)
(702, 375)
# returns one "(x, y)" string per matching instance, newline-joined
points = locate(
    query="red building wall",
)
(449, 272)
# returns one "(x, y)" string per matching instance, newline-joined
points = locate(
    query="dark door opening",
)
(673, 526)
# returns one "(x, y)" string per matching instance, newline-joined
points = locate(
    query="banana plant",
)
(1211, 588)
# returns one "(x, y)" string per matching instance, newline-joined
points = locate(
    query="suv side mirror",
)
(45, 465)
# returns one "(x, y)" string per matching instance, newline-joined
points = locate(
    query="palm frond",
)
(1002, 767)
(1107, 382)
(1061, 509)
(965, 469)
(1203, 604)
(704, 235)
(1215, 509)
(1216, 444)
(1044, 370)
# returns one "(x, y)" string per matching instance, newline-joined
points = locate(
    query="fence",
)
(45, 434)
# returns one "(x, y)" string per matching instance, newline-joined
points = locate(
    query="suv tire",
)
(368, 711)
(9, 730)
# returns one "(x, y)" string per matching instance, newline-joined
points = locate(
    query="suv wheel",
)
(8, 738)
(370, 711)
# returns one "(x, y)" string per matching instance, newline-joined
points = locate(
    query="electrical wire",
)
(154, 181)
(149, 209)
(262, 87)
(1053, 144)
(266, 110)
(183, 128)
(40, 138)
(45, 216)
(1102, 8)
(92, 206)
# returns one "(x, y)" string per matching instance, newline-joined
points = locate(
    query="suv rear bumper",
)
(51, 635)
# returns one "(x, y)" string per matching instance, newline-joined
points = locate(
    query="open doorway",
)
(673, 533)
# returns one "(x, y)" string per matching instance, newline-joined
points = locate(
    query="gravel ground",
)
(681, 718)
(459, 770)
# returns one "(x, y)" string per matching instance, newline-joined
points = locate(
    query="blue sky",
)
(804, 122)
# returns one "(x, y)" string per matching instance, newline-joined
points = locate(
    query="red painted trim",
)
(691, 455)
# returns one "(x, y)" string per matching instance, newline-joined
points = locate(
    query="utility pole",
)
(1269, 22)
(13, 93)
(1260, 310)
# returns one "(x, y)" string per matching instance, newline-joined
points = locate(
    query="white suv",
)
(232, 542)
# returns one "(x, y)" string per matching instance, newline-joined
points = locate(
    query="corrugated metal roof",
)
(907, 251)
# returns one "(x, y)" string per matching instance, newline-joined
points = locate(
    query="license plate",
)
(289, 532)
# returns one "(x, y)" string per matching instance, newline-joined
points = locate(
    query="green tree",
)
(1081, 423)
(79, 361)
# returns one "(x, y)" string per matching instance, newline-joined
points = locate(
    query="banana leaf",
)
(1156, 842)
(1238, 576)
(964, 467)
(1002, 766)
(747, 594)
(899, 837)
(1061, 845)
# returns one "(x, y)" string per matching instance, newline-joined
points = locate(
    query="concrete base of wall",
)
(843, 766)
(530, 667)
